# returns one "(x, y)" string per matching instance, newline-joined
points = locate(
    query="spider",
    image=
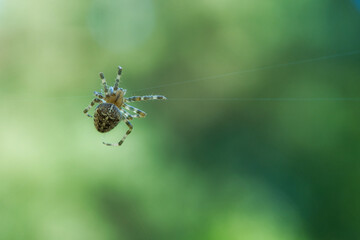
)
(111, 109)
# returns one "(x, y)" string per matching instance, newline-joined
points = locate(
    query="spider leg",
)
(124, 137)
(103, 80)
(127, 115)
(95, 100)
(130, 116)
(144, 98)
(140, 113)
(99, 95)
(117, 80)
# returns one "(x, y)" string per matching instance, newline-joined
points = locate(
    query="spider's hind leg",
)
(86, 110)
(124, 137)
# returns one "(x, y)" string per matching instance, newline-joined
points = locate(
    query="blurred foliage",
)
(255, 170)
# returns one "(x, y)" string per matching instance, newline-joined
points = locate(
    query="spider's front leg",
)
(86, 110)
(117, 80)
(103, 81)
(124, 137)
(98, 95)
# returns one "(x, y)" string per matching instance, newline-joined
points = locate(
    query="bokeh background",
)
(267, 154)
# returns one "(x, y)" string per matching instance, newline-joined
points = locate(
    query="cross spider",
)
(111, 109)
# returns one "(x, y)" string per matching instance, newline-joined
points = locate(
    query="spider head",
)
(123, 90)
(115, 97)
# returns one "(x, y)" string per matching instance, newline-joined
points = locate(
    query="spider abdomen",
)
(106, 117)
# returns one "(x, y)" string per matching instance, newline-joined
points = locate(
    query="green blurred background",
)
(280, 162)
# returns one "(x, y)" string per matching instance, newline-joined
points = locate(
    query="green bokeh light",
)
(115, 26)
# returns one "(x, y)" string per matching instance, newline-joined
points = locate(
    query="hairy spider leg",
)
(140, 113)
(132, 116)
(117, 80)
(128, 116)
(99, 95)
(124, 137)
(86, 110)
(145, 98)
(103, 81)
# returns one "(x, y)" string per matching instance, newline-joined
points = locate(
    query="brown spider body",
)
(113, 108)
(106, 117)
(116, 98)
